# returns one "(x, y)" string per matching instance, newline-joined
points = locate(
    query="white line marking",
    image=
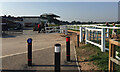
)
(76, 59)
(23, 52)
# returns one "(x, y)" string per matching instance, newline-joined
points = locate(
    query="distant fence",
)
(56, 29)
(52, 29)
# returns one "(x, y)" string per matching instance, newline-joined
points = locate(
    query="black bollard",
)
(57, 57)
(29, 41)
(77, 40)
(68, 48)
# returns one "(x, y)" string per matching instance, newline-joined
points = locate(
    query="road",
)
(14, 52)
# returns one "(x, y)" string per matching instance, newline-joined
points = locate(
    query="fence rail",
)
(52, 29)
(112, 54)
(92, 28)
(102, 46)
(56, 29)
(87, 29)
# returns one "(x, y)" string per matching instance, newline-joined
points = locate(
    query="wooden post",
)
(110, 50)
(111, 54)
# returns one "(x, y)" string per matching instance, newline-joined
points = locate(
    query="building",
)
(11, 23)
(52, 18)
(45, 18)
(31, 20)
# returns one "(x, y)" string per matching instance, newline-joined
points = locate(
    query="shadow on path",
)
(7, 36)
(54, 65)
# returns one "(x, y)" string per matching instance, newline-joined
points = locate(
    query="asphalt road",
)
(14, 53)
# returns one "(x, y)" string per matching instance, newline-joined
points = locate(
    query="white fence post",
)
(107, 33)
(86, 36)
(103, 40)
(60, 29)
(66, 30)
(81, 35)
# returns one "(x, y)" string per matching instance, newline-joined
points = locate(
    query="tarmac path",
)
(14, 53)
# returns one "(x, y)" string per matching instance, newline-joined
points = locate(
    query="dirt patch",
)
(83, 55)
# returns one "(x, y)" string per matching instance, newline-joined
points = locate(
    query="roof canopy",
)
(50, 15)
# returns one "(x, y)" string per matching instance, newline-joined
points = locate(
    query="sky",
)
(68, 11)
(59, 0)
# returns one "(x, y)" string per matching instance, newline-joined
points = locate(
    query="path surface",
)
(14, 53)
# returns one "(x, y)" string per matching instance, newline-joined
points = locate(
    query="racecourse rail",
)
(56, 29)
(95, 29)
(94, 32)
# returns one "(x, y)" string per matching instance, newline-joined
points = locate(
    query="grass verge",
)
(100, 59)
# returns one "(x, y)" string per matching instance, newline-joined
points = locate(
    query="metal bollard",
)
(77, 40)
(68, 48)
(29, 41)
(57, 57)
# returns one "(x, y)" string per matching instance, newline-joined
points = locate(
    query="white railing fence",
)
(52, 29)
(94, 33)
(101, 31)
(56, 29)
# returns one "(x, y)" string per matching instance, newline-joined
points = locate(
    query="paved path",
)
(15, 53)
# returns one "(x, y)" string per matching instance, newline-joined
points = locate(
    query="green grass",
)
(112, 25)
(74, 30)
(99, 58)
(54, 25)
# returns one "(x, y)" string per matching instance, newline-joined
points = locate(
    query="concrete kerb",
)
(77, 60)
